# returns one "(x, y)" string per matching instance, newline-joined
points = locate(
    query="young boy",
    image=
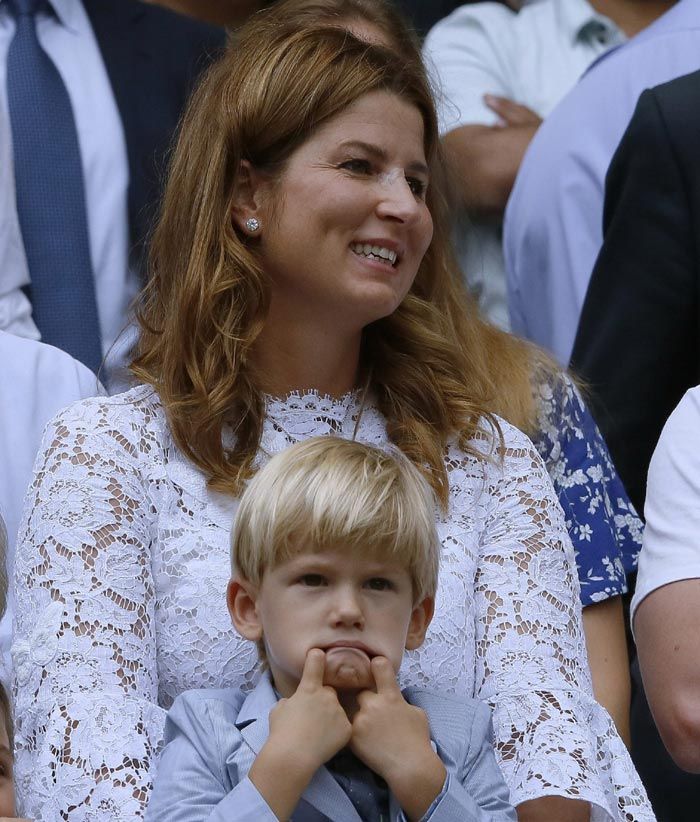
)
(335, 564)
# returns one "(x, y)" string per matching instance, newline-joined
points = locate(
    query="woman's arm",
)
(88, 725)
(606, 643)
(552, 738)
(604, 529)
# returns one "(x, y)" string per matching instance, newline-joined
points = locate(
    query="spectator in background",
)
(36, 381)
(553, 224)
(666, 605)
(499, 73)
(229, 13)
(94, 92)
(425, 14)
(638, 343)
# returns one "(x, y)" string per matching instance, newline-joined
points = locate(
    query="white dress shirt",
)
(68, 39)
(671, 549)
(37, 381)
(533, 57)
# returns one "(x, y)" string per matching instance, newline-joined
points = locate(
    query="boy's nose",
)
(347, 609)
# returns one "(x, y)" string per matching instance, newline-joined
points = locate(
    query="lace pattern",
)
(121, 571)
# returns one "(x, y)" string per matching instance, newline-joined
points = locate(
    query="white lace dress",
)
(121, 573)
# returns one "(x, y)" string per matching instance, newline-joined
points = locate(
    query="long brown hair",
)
(208, 295)
(513, 365)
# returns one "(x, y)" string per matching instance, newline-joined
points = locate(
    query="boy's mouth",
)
(350, 645)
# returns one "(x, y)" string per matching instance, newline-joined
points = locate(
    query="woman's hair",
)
(327, 494)
(208, 295)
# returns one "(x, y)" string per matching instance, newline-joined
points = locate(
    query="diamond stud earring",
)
(252, 225)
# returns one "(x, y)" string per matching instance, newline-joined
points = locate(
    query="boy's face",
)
(351, 607)
(7, 788)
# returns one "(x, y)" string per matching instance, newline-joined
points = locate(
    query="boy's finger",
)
(314, 668)
(384, 675)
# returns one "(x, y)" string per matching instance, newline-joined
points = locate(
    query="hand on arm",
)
(283, 768)
(486, 159)
(393, 739)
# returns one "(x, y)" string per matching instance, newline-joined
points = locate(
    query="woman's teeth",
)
(376, 252)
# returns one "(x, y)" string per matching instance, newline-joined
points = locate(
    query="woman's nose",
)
(396, 199)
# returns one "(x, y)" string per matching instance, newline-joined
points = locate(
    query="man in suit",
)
(127, 69)
(638, 342)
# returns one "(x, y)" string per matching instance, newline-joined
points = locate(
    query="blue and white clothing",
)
(605, 530)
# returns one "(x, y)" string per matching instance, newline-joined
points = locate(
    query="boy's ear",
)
(421, 616)
(249, 199)
(241, 599)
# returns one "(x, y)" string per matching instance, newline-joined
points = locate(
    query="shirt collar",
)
(66, 11)
(578, 19)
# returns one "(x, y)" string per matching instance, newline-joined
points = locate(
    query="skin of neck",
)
(292, 353)
(632, 16)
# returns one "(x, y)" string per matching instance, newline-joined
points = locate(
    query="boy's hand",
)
(311, 724)
(393, 739)
(306, 730)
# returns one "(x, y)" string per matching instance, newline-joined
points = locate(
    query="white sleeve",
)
(671, 545)
(551, 736)
(466, 55)
(84, 653)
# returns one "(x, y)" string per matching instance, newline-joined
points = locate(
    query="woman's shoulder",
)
(133, 421)
(496, 447)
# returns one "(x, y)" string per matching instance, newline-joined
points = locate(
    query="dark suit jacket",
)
(153, 58)
(638, 342)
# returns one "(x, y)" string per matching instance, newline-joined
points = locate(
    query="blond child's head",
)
(334, 547)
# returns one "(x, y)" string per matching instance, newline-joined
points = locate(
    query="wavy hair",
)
(208, 294)
(514, 366)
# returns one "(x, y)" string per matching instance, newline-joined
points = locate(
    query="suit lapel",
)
(127, 46)
(126, 56)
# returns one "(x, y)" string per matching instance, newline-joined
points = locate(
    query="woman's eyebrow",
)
(416, 167)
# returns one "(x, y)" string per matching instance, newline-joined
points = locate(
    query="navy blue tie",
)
(51, 195)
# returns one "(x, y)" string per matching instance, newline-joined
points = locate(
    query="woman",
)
(534, 394)
(300, 286)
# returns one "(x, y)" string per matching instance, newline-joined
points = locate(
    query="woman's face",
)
(346, 226)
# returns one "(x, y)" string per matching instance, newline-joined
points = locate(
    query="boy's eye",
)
(312, 580)
(357, 166)
(379, 584)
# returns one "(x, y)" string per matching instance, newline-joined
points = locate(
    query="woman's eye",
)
(379, 584)
(357, 166)
(312, 580)
(418, 187)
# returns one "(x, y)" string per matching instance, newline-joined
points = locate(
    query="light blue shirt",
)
(553, 222)
(534, 57)
(67, 37)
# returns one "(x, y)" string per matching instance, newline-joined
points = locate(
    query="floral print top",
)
(604, 528)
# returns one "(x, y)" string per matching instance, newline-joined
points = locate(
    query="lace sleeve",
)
(87, 718)
(552, 738)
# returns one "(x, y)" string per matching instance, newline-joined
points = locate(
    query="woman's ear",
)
(241, 598)
(421, 616)
(249, 199)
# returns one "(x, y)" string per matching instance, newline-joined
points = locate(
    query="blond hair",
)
(328, 493)
(208, 294)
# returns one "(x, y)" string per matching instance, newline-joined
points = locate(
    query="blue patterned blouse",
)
(604, 527)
